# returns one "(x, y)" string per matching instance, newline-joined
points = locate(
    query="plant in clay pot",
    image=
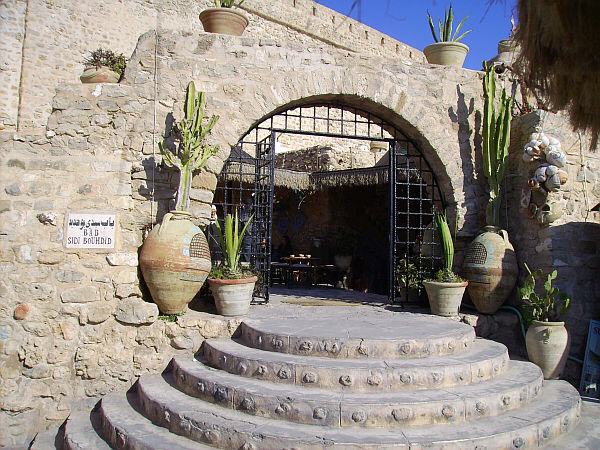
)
(175, 258)
(446, 290)
(231, 284)
(547, 339)
(447, 50)
(490, 262)
(344, 245)
(223, 18)
(103, 66)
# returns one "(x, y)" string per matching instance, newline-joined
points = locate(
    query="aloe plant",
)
(228, 3)
(230, 241)
(446, 275)
(445, 28)
(192, 151)
(496, 139)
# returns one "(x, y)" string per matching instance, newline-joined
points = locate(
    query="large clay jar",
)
(232, 297)
(445, 298)
(175, 261)
(101, 74)
(223, 21)
(490, 266)
(548, 347)
(446, 53)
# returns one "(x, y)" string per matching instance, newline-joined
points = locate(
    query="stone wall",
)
(75, 323)
(56, 36)
(572, 243)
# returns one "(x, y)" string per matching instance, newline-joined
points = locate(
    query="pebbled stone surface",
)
(401, 335)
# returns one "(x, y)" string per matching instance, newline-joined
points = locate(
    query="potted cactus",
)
(547, 339)
(175, 258)
(103, 66)
(231, 284)
(446, 290)
(447, 50)
(223, 18)
(490, 262)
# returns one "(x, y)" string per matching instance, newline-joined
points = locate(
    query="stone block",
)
(201, 195)
(96, 314)
(123, 259)
(51, 257)
(127, 290)
(136, 311)
(69, 276)
(81, 294)
(205, 180)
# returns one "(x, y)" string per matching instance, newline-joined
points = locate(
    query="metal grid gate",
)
(247, 184)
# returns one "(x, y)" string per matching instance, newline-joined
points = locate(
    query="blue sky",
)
(406, 20)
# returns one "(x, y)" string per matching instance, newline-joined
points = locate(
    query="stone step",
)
(124, 428)
(80, 432)
(482, 361)
(552, 413)
(403, 335)
(514, 388)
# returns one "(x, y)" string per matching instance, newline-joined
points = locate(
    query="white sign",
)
(91, 230)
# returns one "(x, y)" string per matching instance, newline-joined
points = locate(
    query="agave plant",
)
(496, 139)
(192, 151)
(230, 241)
(228, 3)
(445, 28)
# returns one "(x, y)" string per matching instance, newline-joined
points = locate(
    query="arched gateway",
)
(256, 166)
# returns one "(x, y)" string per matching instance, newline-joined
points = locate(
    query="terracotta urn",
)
(101, 74)
(548, 347)
(446, 53)
(445, 298)
(232, 297)
(175, 261)
(490, 266)
(223, 21)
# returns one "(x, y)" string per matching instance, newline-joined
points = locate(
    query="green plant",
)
(230, 241)
(496, 139)
(548, 307)
(446, 274)
(228, 3)
(100, 57)
(445, 28)
(191, 150)
(407, 274)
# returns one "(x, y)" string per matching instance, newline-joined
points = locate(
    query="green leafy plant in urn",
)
(446, 50)
(547, 339)
(224, 19)
(490, 263)
(175, 257)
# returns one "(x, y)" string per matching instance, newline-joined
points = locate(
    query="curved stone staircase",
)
(410, 381)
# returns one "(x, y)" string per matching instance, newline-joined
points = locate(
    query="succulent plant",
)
(228, 3)
(191, 151)
(445, 28)
(548, 307)
(100, 57)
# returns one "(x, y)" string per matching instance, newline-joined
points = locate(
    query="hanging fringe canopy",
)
(303, 181)
(560, 57)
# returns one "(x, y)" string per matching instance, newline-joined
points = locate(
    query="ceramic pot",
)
(490, 266)
(223, 21)
(101, 74)
(445, 298)
(446, 53)
(175, 261)
(232, 297)
(342, 262)
(548, 347)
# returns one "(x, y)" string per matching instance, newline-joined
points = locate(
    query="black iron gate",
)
(247, 183)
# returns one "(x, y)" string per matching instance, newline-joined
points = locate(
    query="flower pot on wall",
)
(101, 74)
(223, 21)
(548, 347)
(446, 53)
(232, 297)
(445, 298)
(175, 261)
(490, 266)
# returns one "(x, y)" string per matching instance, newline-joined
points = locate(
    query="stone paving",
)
(307, 377)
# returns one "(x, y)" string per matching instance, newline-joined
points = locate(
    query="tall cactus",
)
(496, 139)
(191, 151)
